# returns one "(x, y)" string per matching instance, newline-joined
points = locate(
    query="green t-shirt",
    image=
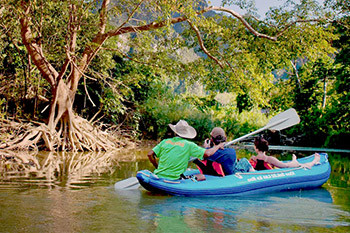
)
(174, 154)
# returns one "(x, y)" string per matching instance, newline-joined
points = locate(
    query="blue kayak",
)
(275, 180)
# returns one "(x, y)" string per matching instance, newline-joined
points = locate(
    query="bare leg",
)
(313, 162)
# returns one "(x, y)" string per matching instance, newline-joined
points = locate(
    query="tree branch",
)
(156, 25)
(130, 58)
(103, 16)
(296, 73)
(72, 27)
(243, 21)
(147, 27)
(1, 10)
(34, 49)
(201, 44)
(130, 16)
(101, 36)
(89, 53)
(295, 22)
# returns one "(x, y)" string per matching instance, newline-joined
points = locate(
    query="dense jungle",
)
(101, 75)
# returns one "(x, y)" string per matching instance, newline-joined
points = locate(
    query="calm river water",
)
(76, 194)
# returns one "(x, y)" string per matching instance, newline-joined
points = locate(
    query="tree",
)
(337, 114)
(63, 39)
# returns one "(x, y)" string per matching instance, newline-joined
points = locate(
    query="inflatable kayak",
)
(275, 180)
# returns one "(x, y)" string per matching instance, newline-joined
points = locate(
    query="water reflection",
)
(49, 169)
(305, 208)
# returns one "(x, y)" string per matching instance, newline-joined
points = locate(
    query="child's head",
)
(261, 144)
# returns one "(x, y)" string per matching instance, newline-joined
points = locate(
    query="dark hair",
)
(169, 133)
(218, 139)
(261, 144)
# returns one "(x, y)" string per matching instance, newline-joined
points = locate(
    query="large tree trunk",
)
(64, 131)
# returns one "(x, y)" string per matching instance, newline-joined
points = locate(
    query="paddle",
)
(281, 121)
(127, 184)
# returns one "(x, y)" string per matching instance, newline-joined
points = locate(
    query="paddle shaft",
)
(256, 131)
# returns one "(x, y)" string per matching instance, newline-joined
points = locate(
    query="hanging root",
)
(74, 135)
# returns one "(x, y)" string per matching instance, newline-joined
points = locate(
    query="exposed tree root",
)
(74, 135)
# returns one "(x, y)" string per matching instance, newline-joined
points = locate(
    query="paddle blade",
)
(130, 183)
(283, 120)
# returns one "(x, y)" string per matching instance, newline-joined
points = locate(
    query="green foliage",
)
(139, 92)
(340, 170)
(202, 103)
(22, 81)
(281, 95)
(339, 139)
(341, 87)
(159, 112)
(244, 102)
(203, 113)
(18, 80)
(319, 91)
(237, 124)
(248, 71)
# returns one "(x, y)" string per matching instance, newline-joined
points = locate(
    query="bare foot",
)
(315, 161)
(294, 158)
(294, 162)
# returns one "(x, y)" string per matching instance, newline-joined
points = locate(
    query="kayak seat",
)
(260, 165)
(209, 167)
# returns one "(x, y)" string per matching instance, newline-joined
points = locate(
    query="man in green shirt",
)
(174, 153)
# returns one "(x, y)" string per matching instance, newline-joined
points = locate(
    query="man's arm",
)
(211, 151)
(152, 157)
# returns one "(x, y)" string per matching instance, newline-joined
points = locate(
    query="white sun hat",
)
(183, 129)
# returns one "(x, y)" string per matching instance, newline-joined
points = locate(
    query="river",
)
(75, 193)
